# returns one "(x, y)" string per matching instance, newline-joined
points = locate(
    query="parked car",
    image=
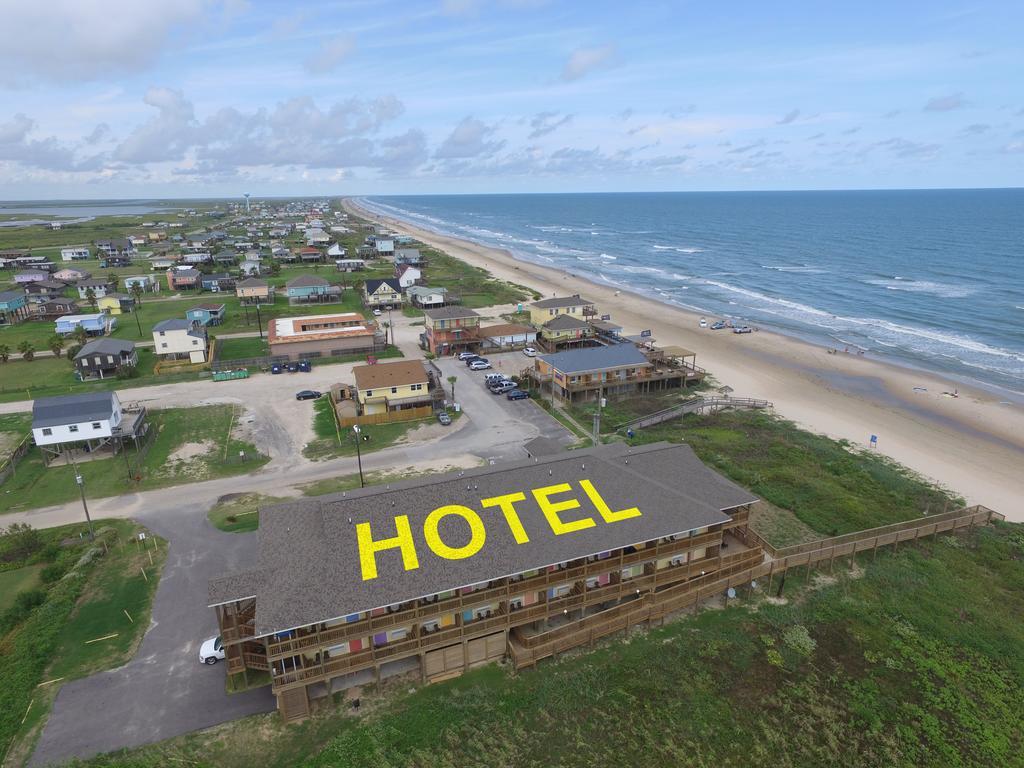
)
(529, 351)
(479, 365)
(703, 322)
(743, 329)
(719, 325)
(474, 359)
(305, 366)
(506, 386)
(211, 651)
(517, 394)
(308, 394)
(467, 355)
(491, 378)
(292, 367)
(376, 313)
(444, 418)
(277, 368)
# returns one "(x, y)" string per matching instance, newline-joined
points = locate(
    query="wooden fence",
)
(9, 466)
(391, 417)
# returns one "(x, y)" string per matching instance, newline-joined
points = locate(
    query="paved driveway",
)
(164, 691)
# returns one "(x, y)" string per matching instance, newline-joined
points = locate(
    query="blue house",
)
(207, 314)
(217, 282)
(310, 288)
(13, 307)
(98, 324)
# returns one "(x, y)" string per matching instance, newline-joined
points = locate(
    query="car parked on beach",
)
(517, 394)
(211, 651)
(743, 329)
(479, 365)
(719, 325)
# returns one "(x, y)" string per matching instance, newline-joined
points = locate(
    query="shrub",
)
(799, 639)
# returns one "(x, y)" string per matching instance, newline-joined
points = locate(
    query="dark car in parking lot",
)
(517, 394)
(308, 394)
(470, 360)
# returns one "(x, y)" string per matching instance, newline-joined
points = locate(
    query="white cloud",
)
(468, 139)
(789, 117)
(544, 123)
(332, 52)
(945, 103)
(78, 40)
(583, 61)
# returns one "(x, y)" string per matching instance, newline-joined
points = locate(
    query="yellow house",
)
(115, 303)
(392, 386)
(548, 309)
(565, 328)
(252, 290)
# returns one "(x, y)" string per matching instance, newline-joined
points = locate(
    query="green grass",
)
(241, 349)
(19, 580)
(914, 659)
(829, 486)
(239, 513)
(35, 485)
(88, 586)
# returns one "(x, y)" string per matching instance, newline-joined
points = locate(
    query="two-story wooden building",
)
(388, 387)
(101, 358)
(516, 561)
(547, 309)
(253, 290)
(87, 422)
(382, 293)
(13, 307)
(180, 339)
(450, 330)
(618, 370)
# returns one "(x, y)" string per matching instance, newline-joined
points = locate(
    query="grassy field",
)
(237, 513)
(830, 487)
(19, 580)
(86, 588)
(375, 437)
(190, 445)
(241, 349)
(914, 659)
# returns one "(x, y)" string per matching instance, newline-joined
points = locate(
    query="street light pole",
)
(259, 322)
(359, 455)
(81, 488)
(391, 325)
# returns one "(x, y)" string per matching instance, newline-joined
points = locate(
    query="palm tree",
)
(27, 351)
(56, 344)
(79, 335)
(114, 280)
(90, 296)
(452, 380)
(5, 353)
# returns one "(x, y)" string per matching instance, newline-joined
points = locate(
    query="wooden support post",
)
(874, 550)
(771, 575)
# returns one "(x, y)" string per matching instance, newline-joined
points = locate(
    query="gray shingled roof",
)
(565, 323)
(308, 567)
(392, 283)
(558, 303)
(173, 324)
(306, 281)
(449, 313)
(71, 409)
(106, 346)
(586, 359)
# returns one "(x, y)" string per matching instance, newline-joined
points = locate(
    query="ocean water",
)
(930, 279)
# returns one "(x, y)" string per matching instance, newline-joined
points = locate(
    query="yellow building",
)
(115, 303)
(394, 386)
(547, 309)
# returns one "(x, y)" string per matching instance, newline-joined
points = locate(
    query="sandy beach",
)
(972, 443)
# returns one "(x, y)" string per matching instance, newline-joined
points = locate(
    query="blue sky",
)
(132, 98)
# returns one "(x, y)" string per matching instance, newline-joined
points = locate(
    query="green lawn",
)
(200, 432)
(19, 580)
(831, 487)
(374, 437)
(241, 349)
(238, 513)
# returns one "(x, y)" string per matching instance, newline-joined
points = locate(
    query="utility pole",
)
(391, 325)
(597, 415)
(359, 455)
(81, 488)
(259, 321)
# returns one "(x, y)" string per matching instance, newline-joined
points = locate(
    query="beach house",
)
(41, 290)
(391, 387)
(117, 246)
(183, 279)
(547, 309)
(350, 265)
(511, 561)
(100, 287)
(13, 307)
(116, 303)
(311, 289)
(450, 330)
(312, 336)
(71, 274)
(148, 283)
(178, 339)
(207, 314)
(75, 253)
(253, 290)
(407, 275)
(217, 282)
(101, 358)
(564, 331)
(53, 308)
(425, 297)
(31, 275)
(90, 422)
(410, 256)
(507, 336)
(383, 245)
(382, 293)
(618, 370)
(94, 324)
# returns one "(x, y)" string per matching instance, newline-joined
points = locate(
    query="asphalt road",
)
(164, 691)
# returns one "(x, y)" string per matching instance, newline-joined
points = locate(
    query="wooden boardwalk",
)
(698, 405)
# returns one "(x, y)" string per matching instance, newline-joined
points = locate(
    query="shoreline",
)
(972, 444)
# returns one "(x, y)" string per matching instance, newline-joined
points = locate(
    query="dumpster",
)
(241, 373)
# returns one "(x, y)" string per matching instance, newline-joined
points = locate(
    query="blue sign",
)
(645, 334)
(874, 440)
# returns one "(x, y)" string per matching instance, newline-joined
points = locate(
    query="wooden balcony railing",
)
(503, 592)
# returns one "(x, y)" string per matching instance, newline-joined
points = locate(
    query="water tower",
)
(246, 202)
